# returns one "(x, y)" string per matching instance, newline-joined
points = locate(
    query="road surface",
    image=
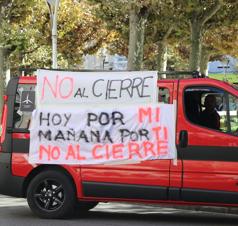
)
(15, 212)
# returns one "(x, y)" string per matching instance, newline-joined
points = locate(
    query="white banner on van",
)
(102, 135)
(67, 87)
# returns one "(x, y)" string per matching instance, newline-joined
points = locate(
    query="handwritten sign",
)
(83, 135)
(65, 87)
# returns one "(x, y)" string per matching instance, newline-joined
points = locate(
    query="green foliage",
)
(26, 31)
(161, 16)
(85, 26)
(115, 15)
(221, 34)
(79, 32)
(232, 78)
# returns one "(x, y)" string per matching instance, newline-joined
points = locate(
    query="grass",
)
(230, 77)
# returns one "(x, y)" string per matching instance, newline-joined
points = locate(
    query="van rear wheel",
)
(51, 194)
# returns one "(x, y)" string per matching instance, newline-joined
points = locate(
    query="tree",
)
(138, 18)
(198, 13)
(79, 33)
(137, 21)
(11, 13)
(25, 34)
(166, 25)
(127, 20)
(163, 22)
(115, 15)
(220, 35)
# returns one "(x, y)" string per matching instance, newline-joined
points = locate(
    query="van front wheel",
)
(51, 194)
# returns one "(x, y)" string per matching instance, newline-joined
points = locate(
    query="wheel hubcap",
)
(49, 195)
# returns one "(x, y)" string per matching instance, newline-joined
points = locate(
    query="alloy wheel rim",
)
(49, 195)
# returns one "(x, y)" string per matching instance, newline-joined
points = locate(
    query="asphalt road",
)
(15, 212)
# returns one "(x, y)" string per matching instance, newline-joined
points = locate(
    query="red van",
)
(206, 172)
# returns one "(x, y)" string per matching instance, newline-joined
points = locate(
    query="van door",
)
(11, 142)
(24, 104)
(148, 180)
(208, 142)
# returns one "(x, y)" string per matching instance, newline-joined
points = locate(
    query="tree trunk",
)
(162, 57)
(136, 39)
(3, 56)
(195, 53)
(205, 56)
(197, 23)
(162, 51)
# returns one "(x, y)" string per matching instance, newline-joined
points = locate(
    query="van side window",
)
(212, 108)
(23, 106)
(164, 95)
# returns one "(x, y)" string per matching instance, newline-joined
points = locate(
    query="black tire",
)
(51, 194)
(85, 206)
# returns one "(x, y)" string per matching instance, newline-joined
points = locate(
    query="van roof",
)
(32, 80)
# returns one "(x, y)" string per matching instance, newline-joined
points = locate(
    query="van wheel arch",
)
(43, 168)
(51, 195)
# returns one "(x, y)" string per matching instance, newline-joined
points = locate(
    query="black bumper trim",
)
(126, 191)
(209, 196)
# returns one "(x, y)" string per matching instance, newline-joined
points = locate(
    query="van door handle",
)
(183, 139)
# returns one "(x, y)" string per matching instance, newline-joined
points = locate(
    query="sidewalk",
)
(10, 201)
